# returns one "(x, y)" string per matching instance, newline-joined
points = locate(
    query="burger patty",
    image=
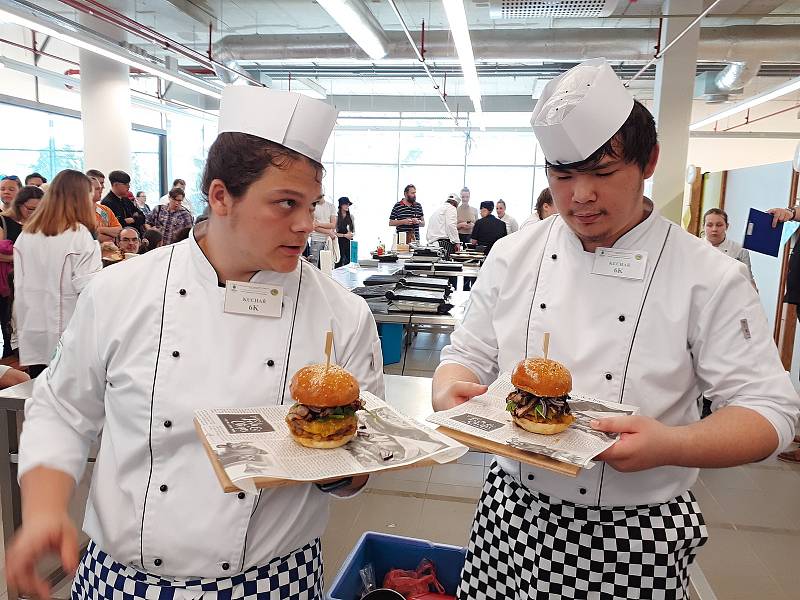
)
(537, 408)
(326, 431)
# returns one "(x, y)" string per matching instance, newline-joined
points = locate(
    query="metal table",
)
(12, 407)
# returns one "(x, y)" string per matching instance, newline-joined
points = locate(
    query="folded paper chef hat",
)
(580, 111)
(293, 120)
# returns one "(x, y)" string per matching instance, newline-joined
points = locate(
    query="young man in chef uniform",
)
(641, 313)
(159, 522)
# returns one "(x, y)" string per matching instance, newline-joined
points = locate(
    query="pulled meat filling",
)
(311, 413)
(537, 408)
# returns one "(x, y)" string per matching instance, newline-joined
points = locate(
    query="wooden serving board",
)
(271, 482)
(530, 458)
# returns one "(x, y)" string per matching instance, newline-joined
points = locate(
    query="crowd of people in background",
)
(55, 236)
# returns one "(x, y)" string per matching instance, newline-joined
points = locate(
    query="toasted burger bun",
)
(549, 428)
(323, 444)
(542, 377)
(314, 386)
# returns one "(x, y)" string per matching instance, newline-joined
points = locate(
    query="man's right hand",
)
(456, 392)
(780, 215)
(41, 534)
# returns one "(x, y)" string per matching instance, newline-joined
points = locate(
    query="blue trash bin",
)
(387, 552)
(391, 335)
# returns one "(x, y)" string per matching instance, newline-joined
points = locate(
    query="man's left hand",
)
(644, 443)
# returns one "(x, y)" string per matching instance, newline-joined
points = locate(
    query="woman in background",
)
(55, 257)
(11, 222)
(345, 230)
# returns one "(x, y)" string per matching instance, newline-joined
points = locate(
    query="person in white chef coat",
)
(138, 365)
(715, 227)
(641, 313)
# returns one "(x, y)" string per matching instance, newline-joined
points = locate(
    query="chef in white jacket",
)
(442, 226)
(641, 313)
(154, 339)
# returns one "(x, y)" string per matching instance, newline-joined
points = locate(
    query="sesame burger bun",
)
(542, 377)
(315, 385)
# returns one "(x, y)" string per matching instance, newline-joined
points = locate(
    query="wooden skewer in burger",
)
(327, 398)
(540, 402)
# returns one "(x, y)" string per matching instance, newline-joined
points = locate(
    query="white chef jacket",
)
(149, 344)
(693, 324)
(49, 273)
(735, 250)
(443, 224)
(511, 223)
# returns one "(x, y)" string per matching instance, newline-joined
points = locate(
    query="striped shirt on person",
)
(403, 210)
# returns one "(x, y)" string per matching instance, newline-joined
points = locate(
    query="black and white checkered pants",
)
(297, 576)
(528, 546)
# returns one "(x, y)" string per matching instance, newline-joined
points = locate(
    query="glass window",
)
(501, 148)
(189, 141)
(512, 184)
(366, 146)
(146, 166)
(372, 189)
(24, 128)
(425, 147)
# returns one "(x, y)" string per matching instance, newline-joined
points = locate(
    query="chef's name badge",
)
(627, 264)
(257, 299)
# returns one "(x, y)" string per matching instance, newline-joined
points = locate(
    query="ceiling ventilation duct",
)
(715, 87)
(513, 10)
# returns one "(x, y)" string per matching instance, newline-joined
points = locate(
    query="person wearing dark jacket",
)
(123, 207)
(488, 229)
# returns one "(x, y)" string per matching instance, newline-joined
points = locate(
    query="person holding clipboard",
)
(641, 313)
(159, 522)
(792, 296)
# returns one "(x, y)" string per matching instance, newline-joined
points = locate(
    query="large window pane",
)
(146, 165)
(501, 148)
(512, 184)
(371, 188)
(366, 146)
(189, 140)
(23, 162)
(24, 128)
(426, 147)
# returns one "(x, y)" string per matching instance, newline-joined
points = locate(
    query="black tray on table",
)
(379, 279)
(426, 283)
(386, 257)
(413, 295)
(373, 291)
(428, 308)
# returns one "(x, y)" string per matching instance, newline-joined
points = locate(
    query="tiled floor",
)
(753, 512)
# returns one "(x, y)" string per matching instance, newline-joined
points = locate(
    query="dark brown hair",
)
(28, 192)
(176, 191)
(716, 211)
(545, 197)
(240, 159)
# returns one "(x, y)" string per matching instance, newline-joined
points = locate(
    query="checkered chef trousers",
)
(526, 546)
(297, 576)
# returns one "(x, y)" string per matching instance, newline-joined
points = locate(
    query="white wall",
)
(761, 187)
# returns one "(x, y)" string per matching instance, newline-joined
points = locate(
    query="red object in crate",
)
(416, 585)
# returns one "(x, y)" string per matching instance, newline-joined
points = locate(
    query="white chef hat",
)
(293, 120)
(580, 111)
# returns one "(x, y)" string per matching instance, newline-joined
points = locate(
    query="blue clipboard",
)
(760, 236)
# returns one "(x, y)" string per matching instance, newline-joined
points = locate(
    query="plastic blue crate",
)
(387, 552)
(391, 335)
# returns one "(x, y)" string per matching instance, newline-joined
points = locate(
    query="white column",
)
(105, 110)
(672, 106)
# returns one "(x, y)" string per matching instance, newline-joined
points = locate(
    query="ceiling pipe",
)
(717, 44)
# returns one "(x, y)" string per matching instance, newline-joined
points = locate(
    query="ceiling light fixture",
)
(786, 88)
(457, 18)
(118, 55)
(359, 23)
